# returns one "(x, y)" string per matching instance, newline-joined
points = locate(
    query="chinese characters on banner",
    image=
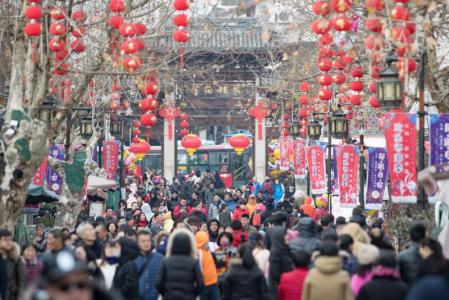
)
(299, 159)
(39, 176)
(347, 166)
(285, 148)
(316, 165)
(110, 159)
(400, 134)
(54, 181)
(439, 139)
(377, 177)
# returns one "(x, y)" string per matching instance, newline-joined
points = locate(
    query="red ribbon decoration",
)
(259, 112)
(169, 114)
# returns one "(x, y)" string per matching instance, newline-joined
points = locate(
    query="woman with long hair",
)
(260, 253)
(108, 262)
(433, 261)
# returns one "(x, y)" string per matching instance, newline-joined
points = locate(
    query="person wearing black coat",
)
(126, 278)
(179, 275)
(245, 281)
(280, 259)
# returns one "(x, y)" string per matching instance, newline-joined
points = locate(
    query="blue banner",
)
(377, 177)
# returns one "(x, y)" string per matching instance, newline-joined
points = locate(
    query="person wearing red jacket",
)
(292, 283)
(181, 210)
(239, 211)
(238, 235)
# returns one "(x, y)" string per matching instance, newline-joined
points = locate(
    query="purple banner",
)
(377, 177)
(54, 182)
(439, 139)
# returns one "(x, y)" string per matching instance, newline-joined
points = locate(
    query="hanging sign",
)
(347, 170)
(39, 175)
(54, 181)
(285, 148)
(110, 159)
(377, 177)
(400, 134)
(439, 139)
(299, 159)
(316, 165)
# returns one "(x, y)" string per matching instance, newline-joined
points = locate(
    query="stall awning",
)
(98, 186)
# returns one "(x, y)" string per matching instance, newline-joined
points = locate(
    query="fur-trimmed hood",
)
(189, 237)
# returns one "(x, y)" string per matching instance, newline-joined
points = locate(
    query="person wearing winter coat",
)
(368, 255)
(386, 283)
(350, 262)
(278, 191)
(279, 261)
(252, 204)
(180, 276)
(31, 265)
(214, 207)
(11, 270)
(433, 261)
(109, 262)
(292, 283)
(245, 280)
(240, 211)
(409, 258)
(126, 278)
(207, 266)
(260, 253)
(307, 240)
(182, 210)
(358, 235)
(327, 280)
(239, 236)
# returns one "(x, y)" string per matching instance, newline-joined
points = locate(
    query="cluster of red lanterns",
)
(33, 12)
(285, 124)
(149, 104)
(126, 41)
(184, 124)
(181, 21)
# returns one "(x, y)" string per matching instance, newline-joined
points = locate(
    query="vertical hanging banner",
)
(110, 159)
(317, 173)
(377, 177)
(285, 151)
(439, 139)
(347, 170)
(39, 175)
(54, 181)
(400, 134)
(299, 159)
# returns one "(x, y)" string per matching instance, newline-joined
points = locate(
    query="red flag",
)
(348, 168)
(285, 147)
(110, 159)
(317, 174)
(299, 159)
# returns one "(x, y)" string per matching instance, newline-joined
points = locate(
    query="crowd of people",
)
(194, 239)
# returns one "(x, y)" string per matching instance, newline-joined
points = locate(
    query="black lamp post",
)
(314, 129)
(47, 110)
(294, 130)
(389, 87)
(86, 129)
(339, 125)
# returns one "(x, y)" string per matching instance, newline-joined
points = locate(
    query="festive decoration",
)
(148, 119)
(259, 112)
(239, 142)
(191, 142)
(169, 114)
(140, 149)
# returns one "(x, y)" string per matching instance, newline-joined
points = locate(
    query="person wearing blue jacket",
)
(278, 191)
(147, 264)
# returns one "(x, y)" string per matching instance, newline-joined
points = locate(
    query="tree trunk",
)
(68, 209)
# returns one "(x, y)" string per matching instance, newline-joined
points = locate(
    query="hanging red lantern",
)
(348, 116)
(347, 59)
(373, 24)
(239, 142)
(344, 99)
(325, 79)
(341, 6)
(374, 42)
(77, 46)
(148, 133)
(304, 86)
(140, 149)
(127, 30)
(181, 4)
(303, 100)
(140, 28)
(181, 36)
(78, 32)
(183, 116)
(181, 20)
(131, 63)
(58, 28)
(137, 124)
(136, 131)
(325, 94)
(152, 87)
(184, 124)
(325, 52)
(117, 6)
(191, 142)
(357, 71)
(116, 21)
(326, 39)
(303, 113)
(33, 12)
(411, 27)
(339, 64)
(339, 78)
(79, 16)
(325, 64)
(342, 23)
(399, 33)
(320, 26)
(129, 46)
(56, 45)
(355, 100)
(373, 6)
(321, 8)
(374, 102)
(400, 13)
(184, 132)
(61, 55)
(148, 119)
(375, 72)
(411, 64)
(356, 86)
(61, 69)
(57, 13)
(135, 139)
(33, 29)
(114, 105)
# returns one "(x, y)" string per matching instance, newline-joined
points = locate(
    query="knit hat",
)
(368, 254)
(260, 207)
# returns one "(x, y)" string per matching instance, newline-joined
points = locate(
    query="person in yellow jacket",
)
(211, 290)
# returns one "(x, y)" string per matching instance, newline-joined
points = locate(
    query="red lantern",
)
(339, 64)
(348, 116)
(325, 94)
(303, 100)
(61, 55)
(400, 13)
(33, 12)
(61, 69)
(357, 71)
(183, 116)
(325, 52)
(57, 28)
(342, 23)
(411, 27)
(373, 6)
(57, 13)
(114, 106)
(191, 142)
(325, 64)
(117, 6)
(77, 46)
(151, 88)
(355, 100)
(399, 34)
(321, 8)
(56, 45)
(148, 119)
(184, 132)
(320, 26)
(374, 24)
(116, 21)
(184, 124)
(304, 86)
(411, 64)
(326, 39)
(135, 139)
(372, 87)
(181, 4)
(325, 79)
(79, 16)
(374, 102)
(131, 64)
(181, 36)
(136, 131)
(127, 30)
(339, 78)
(32, 29)
(78, 32)
(239, 142)
(140, 28)
(129, 46)
(356, 86)
(375, 72)
(140, 149)
(374, 42)
(341, 6)
(181, 20)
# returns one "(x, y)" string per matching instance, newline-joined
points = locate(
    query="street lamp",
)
(294, 130)
(115, 128)
(47, 110)
(86, 128)
(389, 86)
(339, 125)
(314, 130)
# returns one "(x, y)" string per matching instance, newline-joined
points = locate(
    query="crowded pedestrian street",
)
(224, 150)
